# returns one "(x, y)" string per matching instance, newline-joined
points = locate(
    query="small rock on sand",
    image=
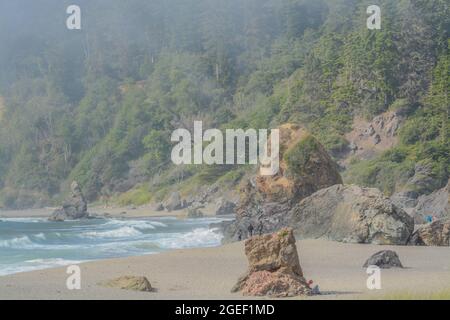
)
(129, 283)
(384, 259)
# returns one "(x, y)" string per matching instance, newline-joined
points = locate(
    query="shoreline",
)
(108, 212)
(210, 273)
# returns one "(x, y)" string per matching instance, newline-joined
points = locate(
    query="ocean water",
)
(32, 243)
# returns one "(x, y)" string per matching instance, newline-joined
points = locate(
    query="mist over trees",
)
(98, 105)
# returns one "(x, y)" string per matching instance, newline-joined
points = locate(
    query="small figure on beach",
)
(239, 234)
(260, 228)
(314, 290)
(250, 230)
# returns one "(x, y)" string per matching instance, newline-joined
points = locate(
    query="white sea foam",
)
(97, 239)
(52, 262)
(23, 220)
(122, 232)
(40, 236)
(140, 224)
(36, 264)
(17, 243)
(26, 243)
(200, 237)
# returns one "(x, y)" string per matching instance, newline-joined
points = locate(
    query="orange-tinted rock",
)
(305, 167)
(274, 267)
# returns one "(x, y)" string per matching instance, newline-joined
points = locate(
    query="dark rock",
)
(376, 139)
(224, 207)
(434, 234)
(194, 213)
(75, 207)
(384, 259)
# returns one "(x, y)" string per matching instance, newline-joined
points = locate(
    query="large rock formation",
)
(274, 268)
(384, 259)
(433, 234)
(75, 207)
(436, 204)
(420, 198)
(305, 167)
(351, 214)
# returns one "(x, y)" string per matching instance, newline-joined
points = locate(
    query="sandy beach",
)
(210, 273)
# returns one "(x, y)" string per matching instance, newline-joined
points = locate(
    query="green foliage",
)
(99, 105)
(138, 196)
(298, 157)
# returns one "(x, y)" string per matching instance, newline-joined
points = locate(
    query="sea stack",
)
(265, 201)
(73, 208)
(274, 267)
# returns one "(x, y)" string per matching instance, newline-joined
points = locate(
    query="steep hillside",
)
(99, 105)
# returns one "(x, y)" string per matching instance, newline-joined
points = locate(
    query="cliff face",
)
(369, 139)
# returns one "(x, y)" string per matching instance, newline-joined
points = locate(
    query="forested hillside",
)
(98, 105)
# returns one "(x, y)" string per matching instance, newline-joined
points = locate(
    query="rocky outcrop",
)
(422, 206)
(194, 213)
(305, 167)
(384, 259)
(202, 196)
(369, 139)
(129, 283)
(224, 207)
(423, 181)
(174, 202)
(351, 214)
(339, 213)
(407, 200)
(434, 234)
(436, 204)
(274, 268)
(75, 207)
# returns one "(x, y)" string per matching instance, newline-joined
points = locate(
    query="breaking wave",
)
(122, 232)
(200, 237)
